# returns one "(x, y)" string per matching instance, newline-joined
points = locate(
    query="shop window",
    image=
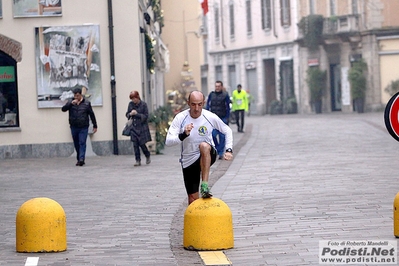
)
(8, 92)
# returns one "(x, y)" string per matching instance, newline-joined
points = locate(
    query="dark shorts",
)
(192, 174)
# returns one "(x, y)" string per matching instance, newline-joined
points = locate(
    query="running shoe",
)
(205, 192)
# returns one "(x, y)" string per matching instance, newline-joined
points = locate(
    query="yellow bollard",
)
(41, 226)
(396, 215)
(208, 225)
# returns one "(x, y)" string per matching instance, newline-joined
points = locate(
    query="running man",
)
(192, 129)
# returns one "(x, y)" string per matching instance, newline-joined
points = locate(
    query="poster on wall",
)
(67, 57)
(37, 8)
(1, 10)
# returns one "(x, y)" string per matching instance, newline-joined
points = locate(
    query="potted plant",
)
(317, 82)
(160, 119)
(276, 107)
(290, 105)
(357, 80)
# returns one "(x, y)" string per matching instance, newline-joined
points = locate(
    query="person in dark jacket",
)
(140, 132)
(79, 112)
(219, 103)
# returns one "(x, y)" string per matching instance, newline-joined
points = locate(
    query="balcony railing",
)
(336, 30)
(341, 25)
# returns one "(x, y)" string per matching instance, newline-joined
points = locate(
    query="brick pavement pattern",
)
(295, 180)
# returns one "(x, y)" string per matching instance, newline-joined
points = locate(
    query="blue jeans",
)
(219, 139)
(79, 136)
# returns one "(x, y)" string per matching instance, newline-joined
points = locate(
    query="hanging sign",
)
(7, 74)
(313, 62)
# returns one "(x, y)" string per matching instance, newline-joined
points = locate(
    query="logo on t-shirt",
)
(202, 130)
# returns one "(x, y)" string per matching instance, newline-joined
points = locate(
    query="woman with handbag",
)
(139, 133)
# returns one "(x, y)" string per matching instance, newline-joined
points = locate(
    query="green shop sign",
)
(7, 74)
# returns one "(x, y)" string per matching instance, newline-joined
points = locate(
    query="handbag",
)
(126, 130)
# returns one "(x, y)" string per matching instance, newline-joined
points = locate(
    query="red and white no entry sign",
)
(391, 116)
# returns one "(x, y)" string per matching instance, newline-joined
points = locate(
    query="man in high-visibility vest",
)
(240, 106)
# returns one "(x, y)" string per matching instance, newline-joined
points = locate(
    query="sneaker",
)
(138, 163)
(205, 192)
(148, 160)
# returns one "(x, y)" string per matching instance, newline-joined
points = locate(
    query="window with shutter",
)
(248, 13)
(285, 13)
(266, 14)
(216, 15)
(231, 11)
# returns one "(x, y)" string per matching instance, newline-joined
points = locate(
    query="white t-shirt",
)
(201, 132)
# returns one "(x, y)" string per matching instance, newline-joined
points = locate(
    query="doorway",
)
(335, 85)
(252, 86)
(232, 79)
(270, 83)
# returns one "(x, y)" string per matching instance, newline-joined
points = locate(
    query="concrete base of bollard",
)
(208, 225)
(41, 226)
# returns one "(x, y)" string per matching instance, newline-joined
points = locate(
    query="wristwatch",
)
(229, 150)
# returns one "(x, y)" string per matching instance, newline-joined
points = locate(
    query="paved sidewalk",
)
(301, 179)
(117, 214)
(295, 180)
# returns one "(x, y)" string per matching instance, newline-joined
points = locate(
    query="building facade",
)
(252, 43)
(263, 45)
(47, 48)
(352, 31)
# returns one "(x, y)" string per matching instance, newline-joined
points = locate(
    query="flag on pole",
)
(204, 5)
